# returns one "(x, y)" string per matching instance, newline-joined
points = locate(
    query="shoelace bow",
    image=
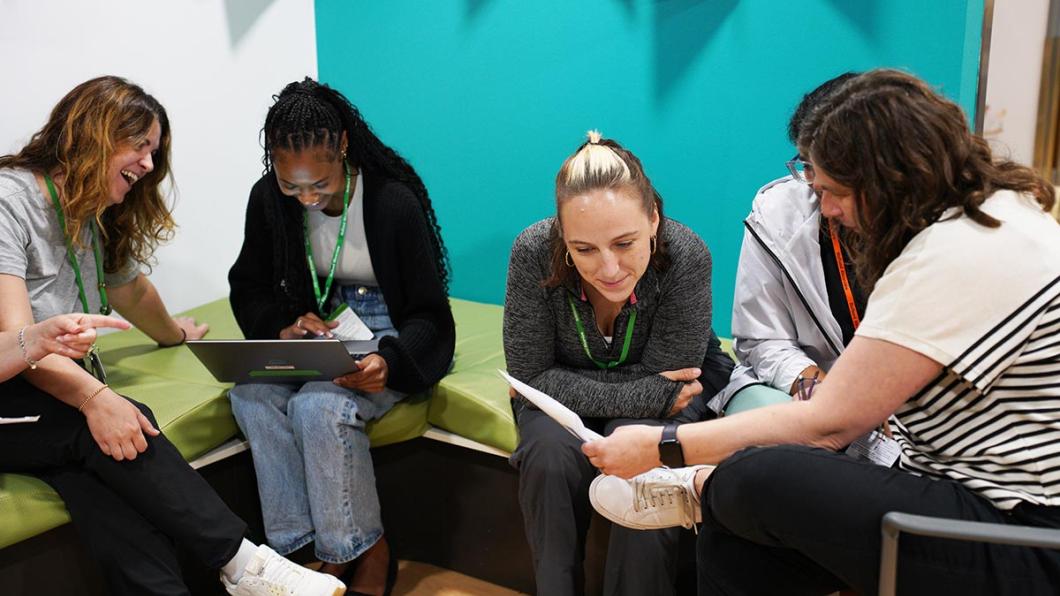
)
(654, 493)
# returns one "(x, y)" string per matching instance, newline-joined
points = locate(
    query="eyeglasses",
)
(801, 170)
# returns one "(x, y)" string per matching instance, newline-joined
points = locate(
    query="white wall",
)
(214, 65)
(1014, 75)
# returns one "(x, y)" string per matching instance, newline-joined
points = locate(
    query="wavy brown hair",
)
(908, 155)
(83, 131)
(601, 164)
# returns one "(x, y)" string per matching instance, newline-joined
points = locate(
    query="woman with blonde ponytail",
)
(608, 309)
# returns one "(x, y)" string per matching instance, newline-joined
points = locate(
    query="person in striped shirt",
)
(959, 348)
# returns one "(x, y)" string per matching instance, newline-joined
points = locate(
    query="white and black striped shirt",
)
(985, 303)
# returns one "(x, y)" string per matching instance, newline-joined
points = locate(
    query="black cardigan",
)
(271, 287)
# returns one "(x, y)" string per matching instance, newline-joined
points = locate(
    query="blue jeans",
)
(311, 456)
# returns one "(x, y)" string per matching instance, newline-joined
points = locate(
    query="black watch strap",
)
(670, 453)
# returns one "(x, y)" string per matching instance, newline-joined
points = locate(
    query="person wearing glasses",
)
(82, 209)
(338, 223)
(797, 300)
(608, 310)
(959, 347)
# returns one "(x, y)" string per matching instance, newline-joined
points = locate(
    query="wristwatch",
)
(670, 453)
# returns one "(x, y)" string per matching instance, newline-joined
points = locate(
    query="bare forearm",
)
(14, 352)
(63, 379)
(11, 359)
(139, 302)
(789, 423)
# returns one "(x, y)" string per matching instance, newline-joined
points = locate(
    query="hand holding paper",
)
(557, 411)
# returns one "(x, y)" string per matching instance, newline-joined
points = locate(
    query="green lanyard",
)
(104, 307)
(585, 343)
(322, 298)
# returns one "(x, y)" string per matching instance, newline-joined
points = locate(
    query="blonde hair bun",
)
(594, 136)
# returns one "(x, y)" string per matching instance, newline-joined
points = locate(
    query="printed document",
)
(559, 412)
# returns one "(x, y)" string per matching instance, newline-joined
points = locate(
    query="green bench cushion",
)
(132, 351)
(472, 400)
(193, 410)
(190, 405)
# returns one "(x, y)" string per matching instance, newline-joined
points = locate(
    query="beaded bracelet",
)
(89, 398)
(25, 353)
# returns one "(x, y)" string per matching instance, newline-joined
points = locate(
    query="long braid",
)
(311, 114)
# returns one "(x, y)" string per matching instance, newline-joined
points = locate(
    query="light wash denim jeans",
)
(310, 453)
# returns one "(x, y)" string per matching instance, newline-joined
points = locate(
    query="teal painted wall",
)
(487, 97)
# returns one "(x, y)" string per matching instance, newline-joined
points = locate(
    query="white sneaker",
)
(269, 574)
(658, 498)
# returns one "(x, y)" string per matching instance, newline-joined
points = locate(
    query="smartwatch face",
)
(670, 453)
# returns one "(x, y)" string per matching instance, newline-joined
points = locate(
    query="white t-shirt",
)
(985, 303)
(355, 264)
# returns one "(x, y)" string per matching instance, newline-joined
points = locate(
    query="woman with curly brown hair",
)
(958, 349)
(81, 211)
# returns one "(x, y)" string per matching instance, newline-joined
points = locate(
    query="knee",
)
(748, 484)
(249, 407)
(314, 411)
(554, 461)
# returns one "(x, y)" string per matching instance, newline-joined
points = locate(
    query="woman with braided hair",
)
(338, 218)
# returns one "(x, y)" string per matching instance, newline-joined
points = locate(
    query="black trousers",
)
(796, 520)
(130, 514)
(554, 478)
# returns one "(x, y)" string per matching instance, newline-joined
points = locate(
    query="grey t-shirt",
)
(32, 247)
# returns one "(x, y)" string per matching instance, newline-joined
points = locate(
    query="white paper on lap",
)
(351, 327)
(21, 420)
(557, 411)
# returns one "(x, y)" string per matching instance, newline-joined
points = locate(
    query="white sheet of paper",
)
(21, 420)
(351, 327)
(557, 411)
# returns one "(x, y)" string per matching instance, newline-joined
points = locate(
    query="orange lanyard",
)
(843, 275)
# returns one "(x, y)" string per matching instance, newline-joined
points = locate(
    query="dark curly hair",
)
(810, 101)
(309, 114)
(908, 155)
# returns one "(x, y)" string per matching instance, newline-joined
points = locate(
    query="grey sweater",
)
(672, 331)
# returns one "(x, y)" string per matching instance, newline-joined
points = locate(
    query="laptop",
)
(279, 360)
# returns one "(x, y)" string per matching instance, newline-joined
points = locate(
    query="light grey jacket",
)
(781, 320)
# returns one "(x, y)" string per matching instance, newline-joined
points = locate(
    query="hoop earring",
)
(653, 243)
(567, 259)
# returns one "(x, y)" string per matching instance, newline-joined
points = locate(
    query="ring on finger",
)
(298, 323)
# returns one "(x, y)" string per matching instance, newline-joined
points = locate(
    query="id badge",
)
(875, 447)
(95, 365)
(351, 327)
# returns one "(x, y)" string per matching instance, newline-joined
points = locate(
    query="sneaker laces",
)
(282, 573)
(665, 489)
(277, 573)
